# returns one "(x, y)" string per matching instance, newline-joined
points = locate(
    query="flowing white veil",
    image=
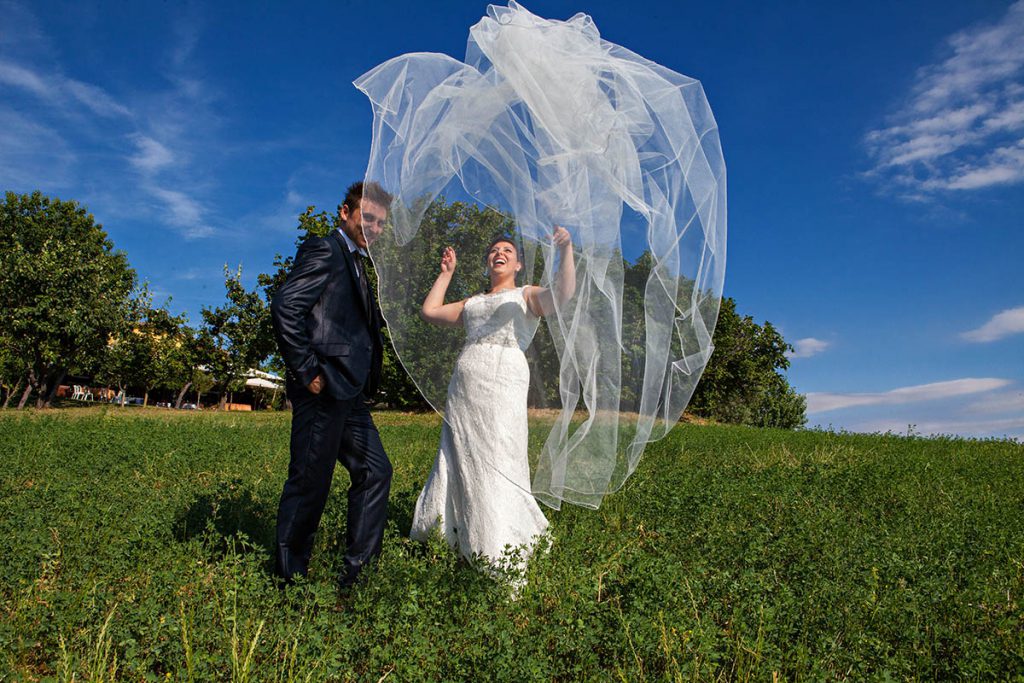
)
(547, 124)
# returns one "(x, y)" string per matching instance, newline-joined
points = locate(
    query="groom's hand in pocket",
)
(317, 385)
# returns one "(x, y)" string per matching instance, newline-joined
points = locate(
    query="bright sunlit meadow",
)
(138, 547)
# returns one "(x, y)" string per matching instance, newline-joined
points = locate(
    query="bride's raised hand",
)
(448, 261)
(561, 237)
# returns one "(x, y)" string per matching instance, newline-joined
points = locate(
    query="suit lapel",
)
(350, 261)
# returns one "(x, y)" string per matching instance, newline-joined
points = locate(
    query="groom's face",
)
(365, 224)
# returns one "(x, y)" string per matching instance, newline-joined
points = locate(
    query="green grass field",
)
(136, 546)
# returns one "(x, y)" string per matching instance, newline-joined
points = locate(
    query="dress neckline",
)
(500, 291)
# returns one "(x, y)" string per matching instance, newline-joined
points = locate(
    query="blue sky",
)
(875, 153)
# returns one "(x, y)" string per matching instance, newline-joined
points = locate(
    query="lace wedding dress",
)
(478, 491)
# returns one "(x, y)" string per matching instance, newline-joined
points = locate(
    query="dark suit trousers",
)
(326, 430)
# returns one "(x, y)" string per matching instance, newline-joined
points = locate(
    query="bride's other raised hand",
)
(434, 309)
(544, 301)
(448, 261)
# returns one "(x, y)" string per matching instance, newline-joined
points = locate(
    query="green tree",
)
(63, 286)
(12, 371)
(634, 339)
(238, 334)
(124, 352)
(145, 351)
(182, 361)
(743, 382)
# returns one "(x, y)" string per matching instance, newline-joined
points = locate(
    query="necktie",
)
(361, 272)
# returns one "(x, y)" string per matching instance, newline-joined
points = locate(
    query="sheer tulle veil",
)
(544, 124)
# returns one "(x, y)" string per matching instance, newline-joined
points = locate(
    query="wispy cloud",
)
(95, 98)
(1012, 427)
(819, 402)
(807, 347)
(32, 155)
(967, 407)
(190, 274)
(58, 90)
(20, 77)
(997, 403)
(962, 127)
(184, 212)
(150, 155)
(1002, 324)
(159, 147)
(22, 29)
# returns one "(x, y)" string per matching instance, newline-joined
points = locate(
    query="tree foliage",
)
(70, 303)
(149, 349)
(743, 382)
(64, 290)
(238, 335)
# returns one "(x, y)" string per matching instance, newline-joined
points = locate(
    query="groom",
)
(327, 326)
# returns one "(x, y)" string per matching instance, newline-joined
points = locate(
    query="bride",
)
(547, 123)
(478, 492)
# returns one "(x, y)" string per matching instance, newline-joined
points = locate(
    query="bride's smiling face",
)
(502, 259)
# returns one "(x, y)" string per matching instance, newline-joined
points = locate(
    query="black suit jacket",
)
(322, 322)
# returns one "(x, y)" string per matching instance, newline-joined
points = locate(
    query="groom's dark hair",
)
(371, 190)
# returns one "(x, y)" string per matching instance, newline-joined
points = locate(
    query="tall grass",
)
(137, 546)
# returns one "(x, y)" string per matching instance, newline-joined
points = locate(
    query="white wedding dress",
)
(478, 492)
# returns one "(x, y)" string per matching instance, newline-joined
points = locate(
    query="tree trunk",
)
(145, 398)
(199, 399)
(11, 393)
(28, 391)
(54, 381)
(181, 395)
(42, 389)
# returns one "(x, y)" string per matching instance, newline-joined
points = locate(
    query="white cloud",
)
(184, 212)
(978, 408)
(197, 273)
(32, 155)
(1002, 324)
(997, 403)
(962, 127)
(21, 30)
(1012, 427)
(95, 98)
(20, 77)
(819, 402)
(151, 155)
(66, 94)
(807, 347)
